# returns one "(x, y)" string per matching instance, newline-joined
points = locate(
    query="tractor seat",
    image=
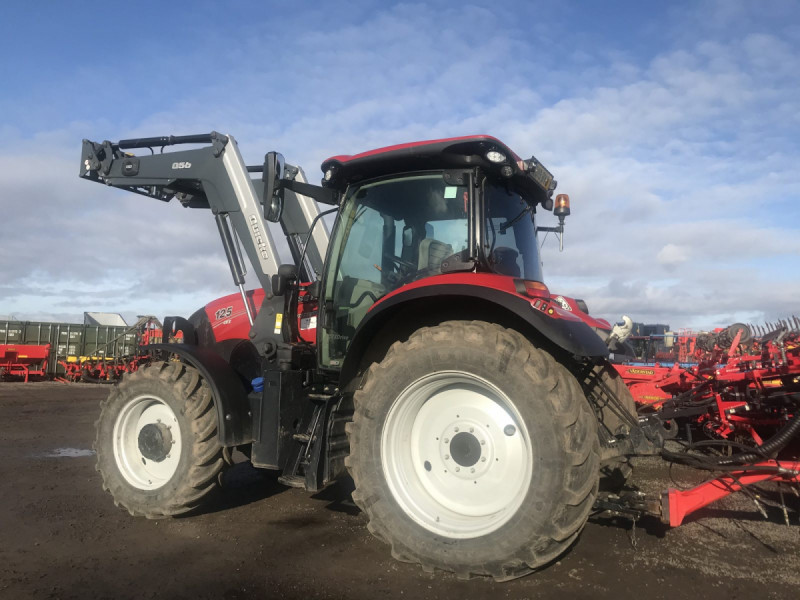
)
(432, 253)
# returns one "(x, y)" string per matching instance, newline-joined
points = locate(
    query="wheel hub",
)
(155, 441)
(465, 449)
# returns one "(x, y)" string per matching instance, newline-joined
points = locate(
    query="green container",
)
(69, 333)
(39, 333)
(11, 332)
(65, 350)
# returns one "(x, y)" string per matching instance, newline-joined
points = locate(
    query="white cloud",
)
(671, 256)
(680, 159)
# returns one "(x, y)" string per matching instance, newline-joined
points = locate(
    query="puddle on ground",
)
(67, 453)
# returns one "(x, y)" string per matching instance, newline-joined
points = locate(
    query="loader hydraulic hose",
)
(773, 445)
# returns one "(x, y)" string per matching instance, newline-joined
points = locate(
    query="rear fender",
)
(230, 396)
(431, 304)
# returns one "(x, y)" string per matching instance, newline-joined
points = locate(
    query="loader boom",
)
(216, 177)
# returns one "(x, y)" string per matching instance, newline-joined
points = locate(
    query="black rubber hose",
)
(774, 444)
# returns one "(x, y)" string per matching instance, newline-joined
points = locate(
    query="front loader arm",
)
(214, 177)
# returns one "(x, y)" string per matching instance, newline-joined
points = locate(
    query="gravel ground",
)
(62, 537)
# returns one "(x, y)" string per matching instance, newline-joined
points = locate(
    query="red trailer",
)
(18, 360)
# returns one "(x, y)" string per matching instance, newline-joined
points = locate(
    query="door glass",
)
(390, 232)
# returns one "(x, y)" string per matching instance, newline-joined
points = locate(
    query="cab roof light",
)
(495, 156)
(533, 289)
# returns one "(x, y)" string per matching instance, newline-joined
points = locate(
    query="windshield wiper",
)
(504, 226)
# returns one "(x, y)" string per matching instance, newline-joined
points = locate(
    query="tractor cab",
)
(419, 211)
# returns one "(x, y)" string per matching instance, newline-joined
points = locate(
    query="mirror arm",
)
(559, 231)
(318, 193)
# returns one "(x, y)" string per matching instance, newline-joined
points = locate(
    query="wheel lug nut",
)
(472, 430)
(458, 469)
(446, 440)
(447, 457)
(455, 428)
(483, 442)
(483, 459)
(509, 430)
(472, 470)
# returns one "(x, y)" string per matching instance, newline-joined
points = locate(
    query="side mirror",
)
(273, 193)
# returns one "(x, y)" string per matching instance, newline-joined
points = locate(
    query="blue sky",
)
(673, 126)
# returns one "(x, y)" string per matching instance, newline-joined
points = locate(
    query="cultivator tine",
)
(783, 506)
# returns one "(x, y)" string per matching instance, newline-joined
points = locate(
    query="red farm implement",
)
(23, 361)
(106, 366)
(741, 389)
(735, 411)
(96, 369)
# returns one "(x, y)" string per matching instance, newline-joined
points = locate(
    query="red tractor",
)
(421, 352)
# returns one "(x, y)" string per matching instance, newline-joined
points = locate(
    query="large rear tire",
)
(157, 446)
(473, 451)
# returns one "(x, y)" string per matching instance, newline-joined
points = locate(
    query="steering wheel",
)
(403, 270)
(399, 262)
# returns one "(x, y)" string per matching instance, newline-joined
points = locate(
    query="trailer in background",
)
(83, 352)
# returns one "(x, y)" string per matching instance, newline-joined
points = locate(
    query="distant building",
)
(100, 318)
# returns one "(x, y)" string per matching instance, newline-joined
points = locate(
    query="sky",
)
(674, 127)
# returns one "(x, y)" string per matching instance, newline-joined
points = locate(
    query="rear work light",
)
(534, 289)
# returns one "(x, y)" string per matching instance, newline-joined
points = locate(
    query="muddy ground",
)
(62, 537)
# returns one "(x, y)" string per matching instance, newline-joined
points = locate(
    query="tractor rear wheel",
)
(157, 446)
(473, 451)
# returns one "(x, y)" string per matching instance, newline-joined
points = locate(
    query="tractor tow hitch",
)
(673, 506)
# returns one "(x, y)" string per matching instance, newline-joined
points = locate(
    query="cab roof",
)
(448, 153)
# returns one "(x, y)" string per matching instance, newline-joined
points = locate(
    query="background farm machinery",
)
(735, 411)
(23, 361)
(72, 352)
(741, 388)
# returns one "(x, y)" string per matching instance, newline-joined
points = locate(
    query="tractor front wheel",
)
(157, 446)
(473, 451)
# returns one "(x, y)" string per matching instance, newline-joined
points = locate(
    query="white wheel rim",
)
(459, 487)
(137, 469)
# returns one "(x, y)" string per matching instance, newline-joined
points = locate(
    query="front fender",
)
(234, 418)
